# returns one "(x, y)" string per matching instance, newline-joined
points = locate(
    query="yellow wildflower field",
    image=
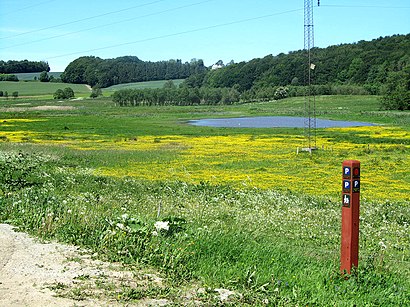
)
(261, 161)
(271, 162)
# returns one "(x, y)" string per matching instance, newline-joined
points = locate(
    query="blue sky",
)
(59, 31)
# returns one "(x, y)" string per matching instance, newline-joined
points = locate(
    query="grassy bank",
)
(239, 208)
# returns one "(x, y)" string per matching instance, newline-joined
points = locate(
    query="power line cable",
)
(108, 24)
(365, 6)
(83, 19)
(179, 33)
(27, 7)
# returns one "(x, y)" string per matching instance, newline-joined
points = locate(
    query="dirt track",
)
(28, 269)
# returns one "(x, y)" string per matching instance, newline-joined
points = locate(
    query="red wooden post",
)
(349, 253)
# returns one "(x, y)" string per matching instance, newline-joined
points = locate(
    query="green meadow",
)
(213, 208)
(27, 87)
(140, 85)
(38, 89)
(31, 76)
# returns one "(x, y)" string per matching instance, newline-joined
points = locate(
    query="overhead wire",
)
(108, 24)
(365, 6)
(26, 7)
(179, 33)
(160, 36)
(84, 19)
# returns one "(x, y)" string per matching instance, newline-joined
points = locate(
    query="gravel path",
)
(29, 270)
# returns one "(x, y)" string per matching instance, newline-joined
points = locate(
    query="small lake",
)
(272, 122)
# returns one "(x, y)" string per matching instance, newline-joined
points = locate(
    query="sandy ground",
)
(29, 270)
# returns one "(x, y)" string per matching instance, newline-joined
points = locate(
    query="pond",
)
(272, 122)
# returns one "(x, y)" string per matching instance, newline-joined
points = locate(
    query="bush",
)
(67, 93)
(7, 77)
(397, 90)
(399, 100)
(96, 92)
(44, 77)
(59, 94)
(280, 93)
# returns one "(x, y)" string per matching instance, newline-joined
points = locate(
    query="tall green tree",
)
(44, 77)
(397, 90)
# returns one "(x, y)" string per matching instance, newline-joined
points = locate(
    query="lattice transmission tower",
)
(310, 101)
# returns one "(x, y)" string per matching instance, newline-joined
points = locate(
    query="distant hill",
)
(364, 62)
(104, 73)
(25, 66)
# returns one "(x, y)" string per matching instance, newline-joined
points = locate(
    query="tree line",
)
(106, 72)
(171, 95)
(186, 96)
(24, 66)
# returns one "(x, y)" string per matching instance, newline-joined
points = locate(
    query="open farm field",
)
(41, 88)
(140, 85)
(31, 75)
(211, 208)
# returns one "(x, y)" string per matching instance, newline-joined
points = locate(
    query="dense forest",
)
(24, 66)
(103, 73)
(363, 63)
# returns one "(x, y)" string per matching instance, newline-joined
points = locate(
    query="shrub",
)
(280, 93)
(7, 77)
(67, 93)
(44, 77)
(96, 92)
(59, 94)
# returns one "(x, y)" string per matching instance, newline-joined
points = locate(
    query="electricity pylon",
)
(310, 102)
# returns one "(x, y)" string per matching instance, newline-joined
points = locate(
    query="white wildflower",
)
(120, 226)
(155, 233)
(69, 211)
(124, 216)
(382, 245)
(161, 225)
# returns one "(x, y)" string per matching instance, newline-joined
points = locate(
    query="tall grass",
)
(269, 246)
